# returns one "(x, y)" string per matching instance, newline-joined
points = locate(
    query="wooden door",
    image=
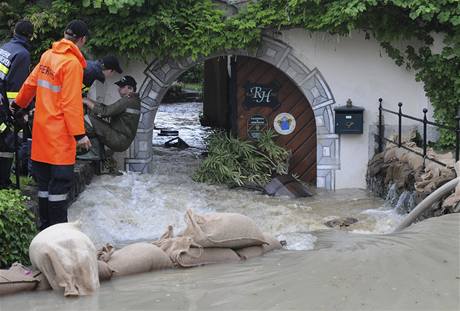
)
(255, 78)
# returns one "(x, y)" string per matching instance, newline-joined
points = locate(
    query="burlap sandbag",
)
(227, 230)
(455, 197)
(138, 258)
(175, 246)
(185, 253)
(104, 271)
(67, 258)
(17, 279)
(204, 256)
(44, 284)
(256, 251)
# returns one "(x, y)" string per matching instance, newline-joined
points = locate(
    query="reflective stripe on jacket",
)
(14, 64)
(56, 82)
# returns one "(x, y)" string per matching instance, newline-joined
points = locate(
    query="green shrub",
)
(235, 162)
(17, 228)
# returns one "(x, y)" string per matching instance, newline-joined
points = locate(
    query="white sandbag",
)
(138, 258)
(256, 251)
(228, 230)
(17, 279)
(67, 258)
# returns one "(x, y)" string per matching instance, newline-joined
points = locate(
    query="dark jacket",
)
(92, 73)
(124, 114)
(14, 63)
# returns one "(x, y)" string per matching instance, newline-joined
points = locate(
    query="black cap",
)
(77, 29)
(111, 62)
(24, 28)
(127, 80)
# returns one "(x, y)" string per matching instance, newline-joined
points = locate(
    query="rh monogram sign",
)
(265, 95)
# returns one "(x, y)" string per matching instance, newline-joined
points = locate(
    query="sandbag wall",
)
(406, 171)
(65, 259)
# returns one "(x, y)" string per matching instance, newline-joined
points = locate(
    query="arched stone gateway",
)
(160, 75)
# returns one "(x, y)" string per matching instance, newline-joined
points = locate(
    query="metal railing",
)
(424, 120)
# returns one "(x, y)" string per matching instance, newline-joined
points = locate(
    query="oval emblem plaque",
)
(284, 123)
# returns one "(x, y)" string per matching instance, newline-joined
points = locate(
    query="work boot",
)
(57, 212)
(43, 213)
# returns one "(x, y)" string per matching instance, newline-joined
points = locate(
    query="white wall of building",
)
(358, 69)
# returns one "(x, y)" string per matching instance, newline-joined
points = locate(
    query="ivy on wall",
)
(138, 29)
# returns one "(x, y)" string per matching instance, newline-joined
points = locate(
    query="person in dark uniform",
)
(100, 70)
(14, 69)
(119, 132)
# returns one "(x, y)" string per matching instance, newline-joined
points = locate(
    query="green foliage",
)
(235, 162)
(17, 228)
(193, 75)
(139, 29)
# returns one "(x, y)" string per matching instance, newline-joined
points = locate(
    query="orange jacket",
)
(56, 83)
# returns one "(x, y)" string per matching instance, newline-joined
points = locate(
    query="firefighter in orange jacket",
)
(58, 126)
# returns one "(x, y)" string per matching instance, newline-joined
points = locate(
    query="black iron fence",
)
(401, 115)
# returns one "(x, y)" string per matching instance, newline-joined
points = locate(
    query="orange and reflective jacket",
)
(56, 83)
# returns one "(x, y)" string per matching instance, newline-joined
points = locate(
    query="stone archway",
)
(160, 75)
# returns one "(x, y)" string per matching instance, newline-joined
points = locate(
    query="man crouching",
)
(113, 125)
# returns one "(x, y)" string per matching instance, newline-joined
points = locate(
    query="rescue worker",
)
(58, 126)
(124, 114)
(14, 68)
(100, 70)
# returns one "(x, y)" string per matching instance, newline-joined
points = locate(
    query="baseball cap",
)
(111, 62)
(127, 80)
(24, 28)
(77, 29)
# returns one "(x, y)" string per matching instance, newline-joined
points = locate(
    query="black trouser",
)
(6, 158)
(54, 184)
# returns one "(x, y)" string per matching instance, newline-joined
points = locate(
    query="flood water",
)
(361, 267)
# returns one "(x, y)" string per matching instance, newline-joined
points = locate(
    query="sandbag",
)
(203, 256)
(104, 271)
(67, 258)
(256, 251)
(454, 199)
(17, 279)
(43, 284)
(227, 230)
(138, 258)
(185, 253)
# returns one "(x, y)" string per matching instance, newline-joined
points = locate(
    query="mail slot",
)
(349, 120)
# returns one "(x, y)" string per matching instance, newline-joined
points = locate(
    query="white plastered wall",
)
(358, 69)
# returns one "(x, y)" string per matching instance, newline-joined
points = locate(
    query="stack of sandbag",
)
(215, 238)
(67, 258)
(17, 279)
(403, 166)
(132, 259)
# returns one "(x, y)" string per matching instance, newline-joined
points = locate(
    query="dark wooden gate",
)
(255, 78)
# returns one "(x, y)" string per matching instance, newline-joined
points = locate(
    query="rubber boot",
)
(43, 212)
(57, 212)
